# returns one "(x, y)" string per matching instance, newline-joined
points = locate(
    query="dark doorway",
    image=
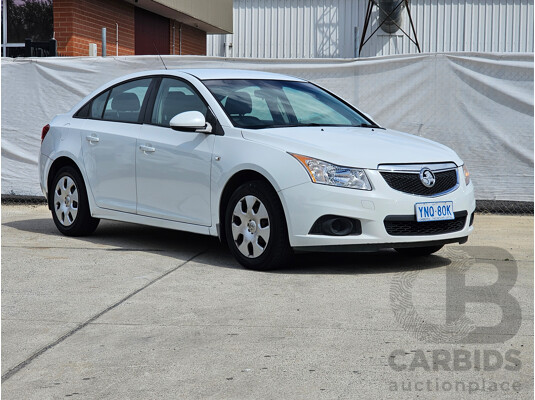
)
(152, 33)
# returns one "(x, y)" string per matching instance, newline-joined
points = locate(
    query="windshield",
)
(258, 104)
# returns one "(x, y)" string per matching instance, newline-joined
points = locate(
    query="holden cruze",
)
(271, 164)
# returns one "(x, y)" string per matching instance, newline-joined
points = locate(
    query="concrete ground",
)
(141, 313)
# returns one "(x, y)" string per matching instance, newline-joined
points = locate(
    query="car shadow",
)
(132, 237)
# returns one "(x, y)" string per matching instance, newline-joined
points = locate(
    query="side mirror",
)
(189, 121)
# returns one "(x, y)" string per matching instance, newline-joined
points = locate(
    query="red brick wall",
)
(79, 22)
(193, 40)
(63, 25)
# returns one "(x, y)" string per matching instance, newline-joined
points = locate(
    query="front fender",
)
(233, 154)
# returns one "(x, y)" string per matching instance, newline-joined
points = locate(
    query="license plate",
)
(436, 211)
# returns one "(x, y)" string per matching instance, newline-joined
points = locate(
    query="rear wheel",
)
(418, 251)
(70, 207)
(255, 227)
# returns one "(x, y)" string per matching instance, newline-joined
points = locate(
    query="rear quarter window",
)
(93, 108)
(83, 112)
(97, 105)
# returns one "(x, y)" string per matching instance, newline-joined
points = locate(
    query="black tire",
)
(276, 251)
(72, 217)
(418, 251)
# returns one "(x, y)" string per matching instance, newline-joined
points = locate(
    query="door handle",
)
(147, 149)
(92, 139)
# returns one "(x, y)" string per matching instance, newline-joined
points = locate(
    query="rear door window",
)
(125, 101)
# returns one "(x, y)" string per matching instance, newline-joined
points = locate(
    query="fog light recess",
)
(333, 225)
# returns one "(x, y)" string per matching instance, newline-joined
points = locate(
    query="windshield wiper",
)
(287, 125)
(340, 126)
(297, 125)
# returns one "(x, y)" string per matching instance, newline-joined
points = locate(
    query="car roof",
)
(226, 73)
(206, 74)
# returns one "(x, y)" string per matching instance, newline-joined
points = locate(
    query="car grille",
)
(410, 182)
(406, 225)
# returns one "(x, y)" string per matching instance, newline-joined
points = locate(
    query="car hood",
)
(354, 147)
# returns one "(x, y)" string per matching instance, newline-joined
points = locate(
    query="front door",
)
(173, 167)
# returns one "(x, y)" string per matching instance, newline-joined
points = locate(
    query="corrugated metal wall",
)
(332, 28)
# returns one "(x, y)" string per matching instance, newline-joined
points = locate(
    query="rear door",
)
(173, 167)
(109, 144)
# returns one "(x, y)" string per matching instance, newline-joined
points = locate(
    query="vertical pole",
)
(103, 42)
(355, 42)
(117, 39)
(4, 28)
(180, 39)
(173, 37)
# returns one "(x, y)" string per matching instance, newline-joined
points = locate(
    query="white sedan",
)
(271, 164)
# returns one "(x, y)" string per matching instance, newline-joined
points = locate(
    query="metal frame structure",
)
(369, 9)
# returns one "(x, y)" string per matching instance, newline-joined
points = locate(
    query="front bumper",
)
(307, 202)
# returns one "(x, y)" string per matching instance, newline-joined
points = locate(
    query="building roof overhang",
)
(207, 15)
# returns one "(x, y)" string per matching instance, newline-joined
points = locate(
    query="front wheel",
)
(418, 251)
(255, 227)
(70, 207)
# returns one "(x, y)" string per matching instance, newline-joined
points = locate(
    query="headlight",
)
(466, 175)
(334, 175)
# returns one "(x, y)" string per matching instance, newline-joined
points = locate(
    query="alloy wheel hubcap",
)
(66, 201)
(250, 226)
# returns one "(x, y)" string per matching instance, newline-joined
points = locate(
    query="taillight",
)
(45, 130)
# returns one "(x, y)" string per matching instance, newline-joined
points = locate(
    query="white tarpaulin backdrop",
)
(479, 104)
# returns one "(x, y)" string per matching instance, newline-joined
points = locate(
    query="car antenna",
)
(157, 52)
